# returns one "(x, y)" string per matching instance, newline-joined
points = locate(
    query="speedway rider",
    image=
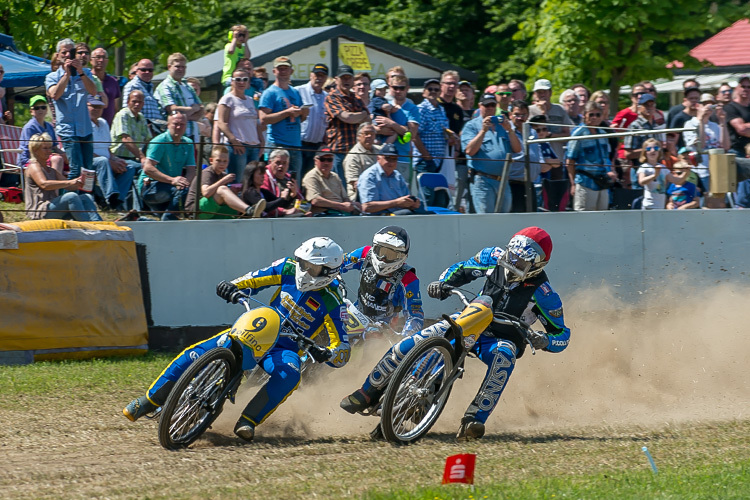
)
(518, 285)
(387, 284)
(308, 296)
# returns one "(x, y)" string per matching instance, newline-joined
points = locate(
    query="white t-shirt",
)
(243, 118)
(712, 136)
(654, 192)
(101, 138)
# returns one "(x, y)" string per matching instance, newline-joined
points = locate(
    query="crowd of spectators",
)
(343, 144)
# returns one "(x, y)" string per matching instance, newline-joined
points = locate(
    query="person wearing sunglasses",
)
(654, 176)
(432, 125)
(38, 125)
(633, 144)
(237, 118)
(324, 189)
(588, 165)
(388, 286)
(236, 49)
(724, 94)
(152, 110)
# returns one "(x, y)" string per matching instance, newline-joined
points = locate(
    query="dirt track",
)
(678, 361)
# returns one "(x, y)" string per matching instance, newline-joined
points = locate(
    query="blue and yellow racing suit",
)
(310, 313)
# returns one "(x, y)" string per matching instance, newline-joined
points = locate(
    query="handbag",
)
(603, 181)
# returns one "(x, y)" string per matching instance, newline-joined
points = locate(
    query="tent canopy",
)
(21, 70)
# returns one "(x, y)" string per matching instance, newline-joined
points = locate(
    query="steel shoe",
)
(138, 408)
(470, 429)
(357, 401)
(245, 430)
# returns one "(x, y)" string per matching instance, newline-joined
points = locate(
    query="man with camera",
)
(69, 88)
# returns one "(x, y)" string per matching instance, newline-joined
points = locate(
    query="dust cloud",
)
(676, 357)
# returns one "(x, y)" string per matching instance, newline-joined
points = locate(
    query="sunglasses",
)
(571, 101)
(243, 79)
(639, 94)
(595, 115)
(653, 148)
(503, 93)
(146, 70)
(325, 159)
(726, 91)
(745, 86)
(83, 52)
(398, 87)
(450, 84)
(37, 108)
(433, 89)
(651, 89)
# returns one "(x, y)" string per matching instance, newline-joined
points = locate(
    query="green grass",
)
(14, 212)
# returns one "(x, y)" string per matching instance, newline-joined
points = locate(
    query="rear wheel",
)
(194, 402)
(410, 404)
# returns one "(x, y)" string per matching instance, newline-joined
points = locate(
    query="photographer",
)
(69, 88)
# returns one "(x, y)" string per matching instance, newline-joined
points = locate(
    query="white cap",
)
(542, 84)
(707, 97)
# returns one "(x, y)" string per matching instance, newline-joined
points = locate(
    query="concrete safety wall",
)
(629, 251)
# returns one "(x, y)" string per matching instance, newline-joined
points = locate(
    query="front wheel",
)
(410, 404)
(196, 399)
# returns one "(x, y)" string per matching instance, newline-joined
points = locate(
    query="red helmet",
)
(527, 253)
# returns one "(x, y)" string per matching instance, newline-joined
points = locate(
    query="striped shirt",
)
(432, 125)
(151, 108)
(125, 123)
(341, 136)
(170, 92)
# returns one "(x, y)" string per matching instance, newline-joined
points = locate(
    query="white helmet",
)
(390, 247)
(318, 263)
(527, 253)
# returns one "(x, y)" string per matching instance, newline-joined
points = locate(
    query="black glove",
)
(319, 353)
(439, 290)
(228, 291)
(539, 340)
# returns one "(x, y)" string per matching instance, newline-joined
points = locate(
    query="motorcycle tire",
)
(409, 406)
(193, 404)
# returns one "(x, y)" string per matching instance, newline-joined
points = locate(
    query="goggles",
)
(387, 254)
(315, 270)
(515, 264)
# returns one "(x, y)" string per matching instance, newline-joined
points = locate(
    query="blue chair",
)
(434, 192)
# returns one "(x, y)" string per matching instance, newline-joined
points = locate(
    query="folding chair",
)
(10, 149)
(434, 192)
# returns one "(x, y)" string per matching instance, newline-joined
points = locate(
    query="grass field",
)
(64, 437)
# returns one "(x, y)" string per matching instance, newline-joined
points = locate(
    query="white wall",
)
(630, 251)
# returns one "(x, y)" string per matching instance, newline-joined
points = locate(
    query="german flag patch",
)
(312, 304)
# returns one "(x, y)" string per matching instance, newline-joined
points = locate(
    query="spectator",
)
(622, 120)
(238, 121)
(683, 193)
(99, 60)
(645, 121)
(658, 114)
(5, 115)
(486, 141)
(236, 49)
(504, 97)
(379, 106)
(43, 183)
(280, 109)
(653, 176)
(344, 112)
(58, 58)
(432, 125)
(130, 133)
(558, 121)
(37, 125)
(252, 180)
(168, 169)
(360, 157)
(83, 52)
(279, 185)
(314, 128)
(466, 99)
(447, 99)
(519, 113)
(262, 75)
(114, 175)
(709, 135)
(724, 94)
(205, 122)
(517, 90)
(325, 190)
(583, 93)
(569, 101)
(690, 109)
(69, 88)
(330, 84)
(587, 161)
(217, 200)
(142, 81)
(738, 117)
(404, 122)
(686, 84)
(362, 83)
(256, 87)
(176, 96)
(602, 99)
(133, 71)
(382, 189)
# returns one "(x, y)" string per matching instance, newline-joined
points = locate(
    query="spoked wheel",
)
(410, 404)
(193, 404)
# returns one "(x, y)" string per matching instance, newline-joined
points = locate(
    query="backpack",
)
(11, 195)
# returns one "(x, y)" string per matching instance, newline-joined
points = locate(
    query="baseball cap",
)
(431, 80)
(36, 99)
(542, 84)
(465, 82)
(345, 70)
(378, 83)
(95, 101)
(707, 97)
(487, 99)
(323, 151)
(645, 98)
(320, 68)
(282, 61)
(388, 150)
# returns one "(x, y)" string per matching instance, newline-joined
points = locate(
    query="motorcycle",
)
(198, 396)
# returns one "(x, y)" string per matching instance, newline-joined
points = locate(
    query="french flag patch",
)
(384, 285)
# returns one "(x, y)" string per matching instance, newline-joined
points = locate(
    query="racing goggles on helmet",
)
(315, 270)
(387, 254)
(515, 264)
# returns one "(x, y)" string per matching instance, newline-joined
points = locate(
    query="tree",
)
(605, 43)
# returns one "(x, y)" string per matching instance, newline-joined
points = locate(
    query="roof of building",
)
(729, 47)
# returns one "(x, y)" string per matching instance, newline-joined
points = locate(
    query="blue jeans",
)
(484, 193)
(163, 197)
(338, 167)
(111, 183)
(79, 206)
(237, 162)
(80, 153)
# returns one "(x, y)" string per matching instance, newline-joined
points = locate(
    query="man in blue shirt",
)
(486, 141)
(69, 88)
(382, 189)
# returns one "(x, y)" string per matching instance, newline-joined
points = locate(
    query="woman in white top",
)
(239, 124)
(653, 175)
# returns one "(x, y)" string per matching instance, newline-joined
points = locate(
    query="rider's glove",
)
(539, 340)
(319, 353)
(439, 290)
(228, 291)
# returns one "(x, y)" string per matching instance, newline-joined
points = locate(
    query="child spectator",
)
(683, 193)
(379, 106)
(236, 49)
(653, 175)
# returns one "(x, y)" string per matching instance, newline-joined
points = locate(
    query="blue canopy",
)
(21, 70)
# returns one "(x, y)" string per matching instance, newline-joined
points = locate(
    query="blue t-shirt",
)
(285, 132)
(31, 128)
(680, 195)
